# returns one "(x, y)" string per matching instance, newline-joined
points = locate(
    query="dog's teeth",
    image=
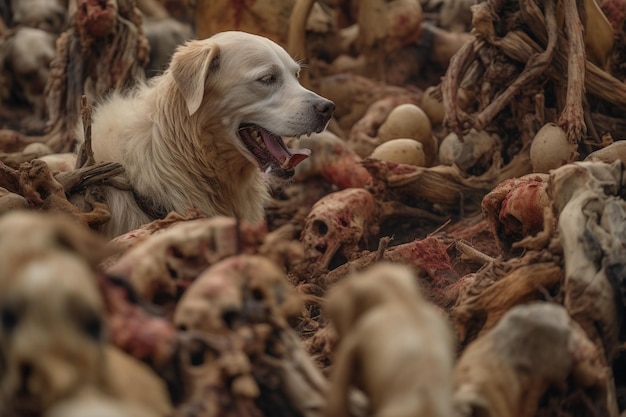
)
(268, 169)
(256, 135)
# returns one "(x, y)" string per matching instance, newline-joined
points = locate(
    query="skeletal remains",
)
(232, 316)
(53, 350)
(234, 343)
(487, 281)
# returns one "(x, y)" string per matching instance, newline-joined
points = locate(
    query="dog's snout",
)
(325, 107)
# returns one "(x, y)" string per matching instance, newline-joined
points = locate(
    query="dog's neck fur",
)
(179, 154)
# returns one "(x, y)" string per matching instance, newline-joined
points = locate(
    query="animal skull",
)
(26, 235)
(51, 333)
(228, 312)
(338, 227)
(213, 365)
(212, 304)
(166, 263)
(238, 290)
(515, 208)
(51, 312)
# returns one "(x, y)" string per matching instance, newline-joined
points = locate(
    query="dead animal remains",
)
(481, 275)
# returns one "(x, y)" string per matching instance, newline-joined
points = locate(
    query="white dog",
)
(206, 132)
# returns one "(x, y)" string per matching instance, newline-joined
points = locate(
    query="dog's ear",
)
(190, 67)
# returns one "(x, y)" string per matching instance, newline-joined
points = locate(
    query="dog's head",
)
(249, 85)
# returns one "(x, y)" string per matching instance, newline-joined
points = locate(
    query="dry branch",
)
(561, 58)
(486, 301)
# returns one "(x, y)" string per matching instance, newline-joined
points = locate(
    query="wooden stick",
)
(572, 116)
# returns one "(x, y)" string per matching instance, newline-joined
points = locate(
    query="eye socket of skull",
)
(175, 252)
(88, 320)
(184, 265)
(173, 256)
(232, 317)
(257, 294)
(198, 353)
(320, 227)
(9, 318)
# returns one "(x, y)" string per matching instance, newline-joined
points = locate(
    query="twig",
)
(94, 174)
(85, 153)
(572, 117)
(456, 119)
(474, 254)
(440, 228)
(383, 243)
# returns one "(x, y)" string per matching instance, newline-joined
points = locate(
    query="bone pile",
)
(453, 247)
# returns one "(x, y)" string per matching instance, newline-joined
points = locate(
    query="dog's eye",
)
(267, 79)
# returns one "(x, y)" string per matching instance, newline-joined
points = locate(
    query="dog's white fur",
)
(176, 136)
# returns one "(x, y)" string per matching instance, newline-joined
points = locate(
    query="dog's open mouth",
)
(270, 151)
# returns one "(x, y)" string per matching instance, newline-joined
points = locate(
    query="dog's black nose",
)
(325, 107)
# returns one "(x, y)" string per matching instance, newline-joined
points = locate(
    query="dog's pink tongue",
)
(288, 158)
(297, 156)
